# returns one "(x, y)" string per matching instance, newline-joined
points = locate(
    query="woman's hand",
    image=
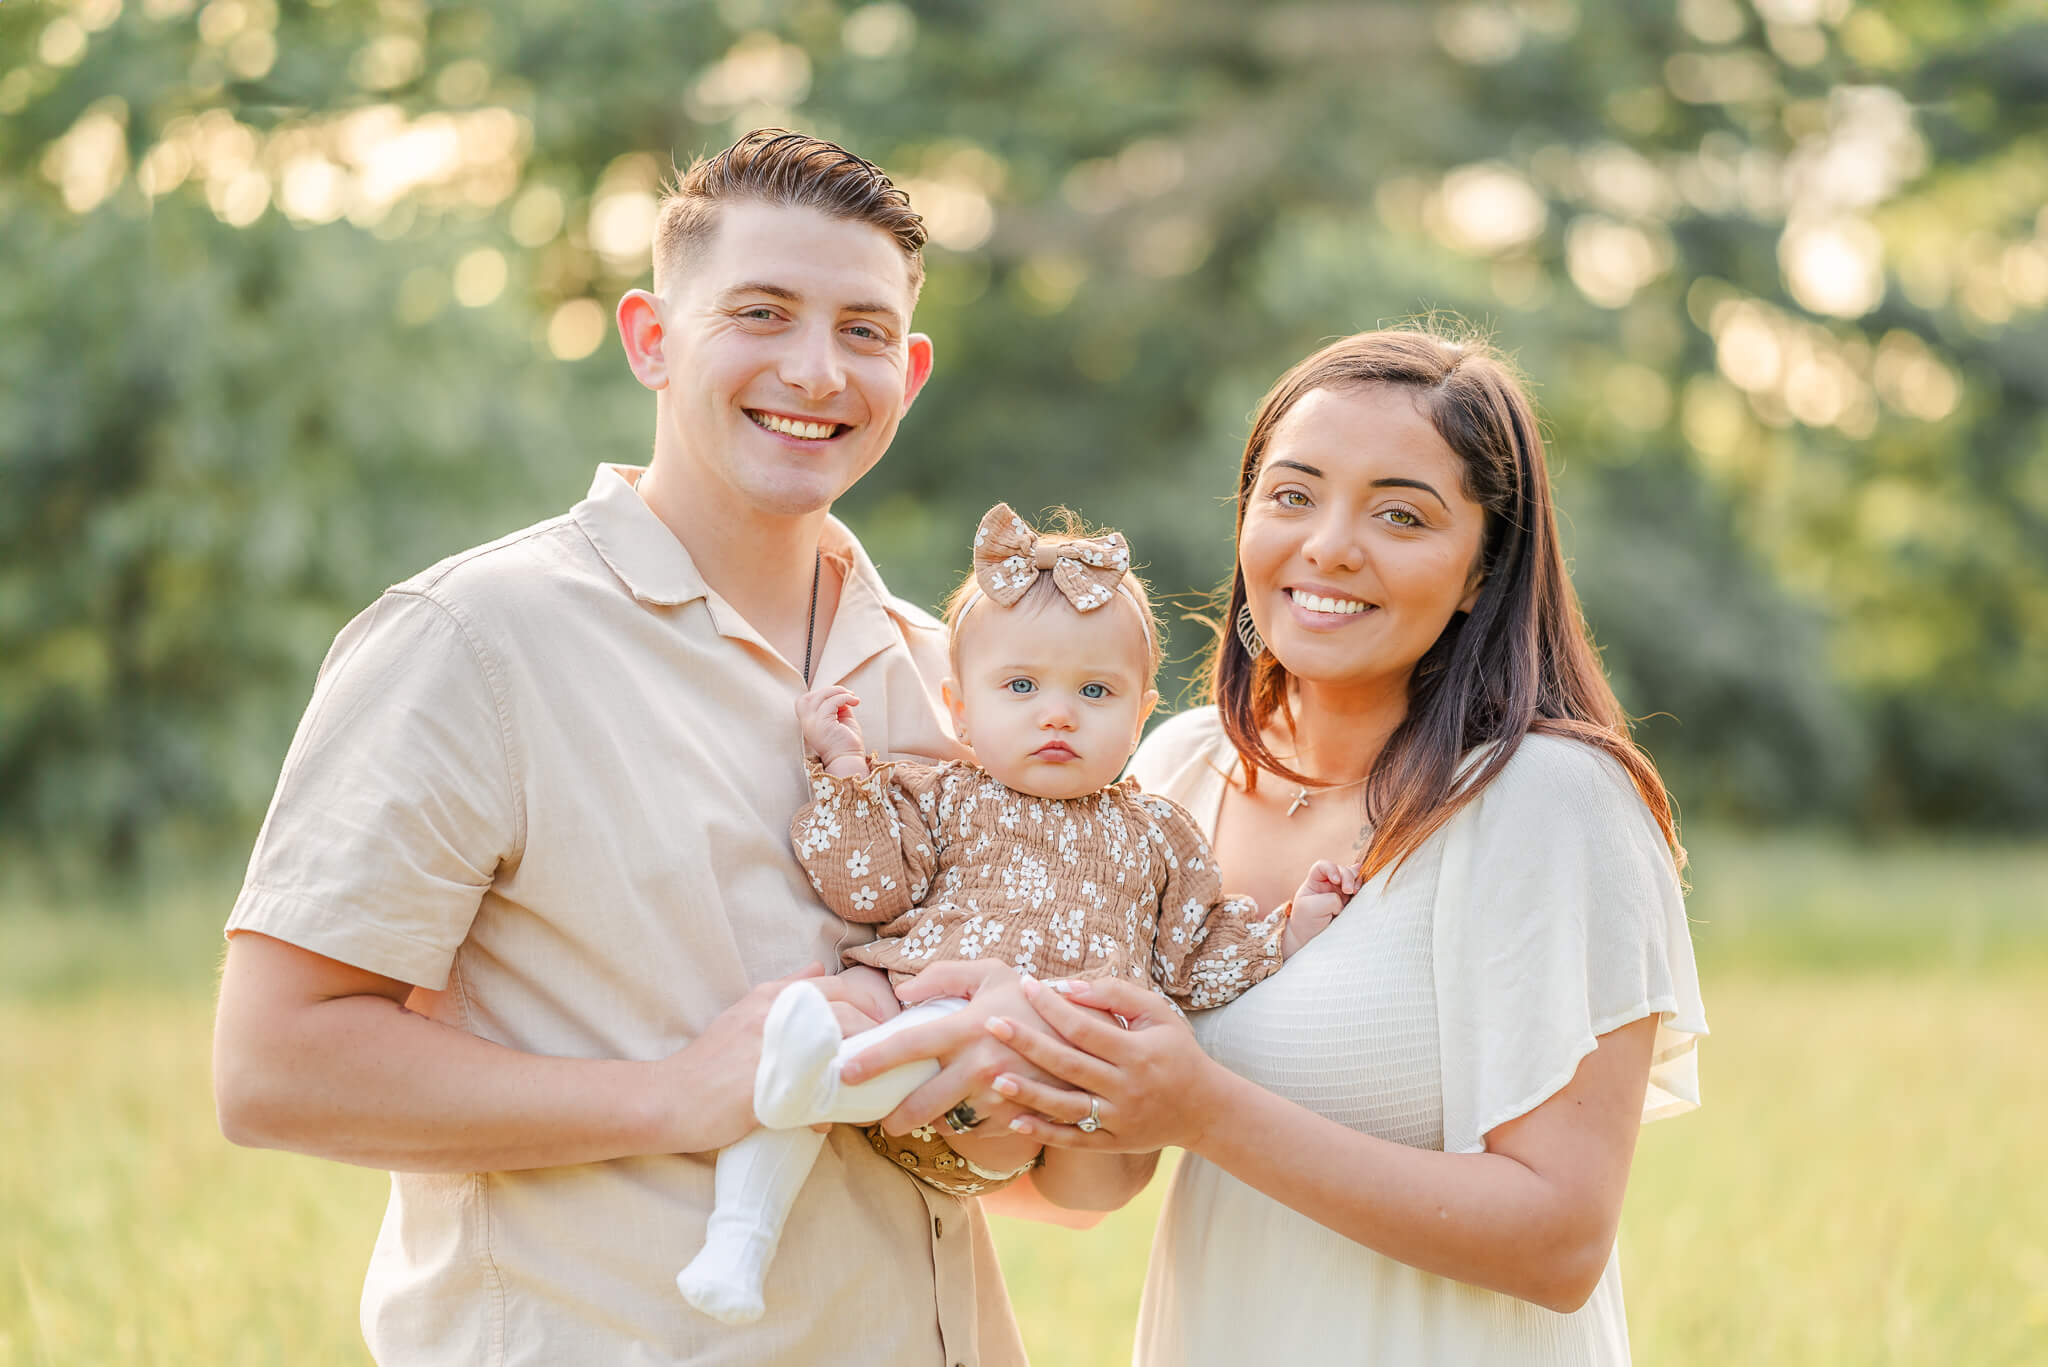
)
(1151, 1083)
(970, 1058)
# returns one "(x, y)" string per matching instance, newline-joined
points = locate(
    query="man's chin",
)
(799, 496)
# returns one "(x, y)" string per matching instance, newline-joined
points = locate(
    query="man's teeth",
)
(1317, 603)
(790, 427)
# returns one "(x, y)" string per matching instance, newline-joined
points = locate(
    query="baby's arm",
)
(1208, 946)
(863, 838)
(831, 733)
(1322, 895)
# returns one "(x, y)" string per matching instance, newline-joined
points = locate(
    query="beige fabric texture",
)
(1454, 994)
(550, 782)
(955, 865)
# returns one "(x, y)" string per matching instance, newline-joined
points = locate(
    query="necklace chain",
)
(1303, 793)
(811, 626)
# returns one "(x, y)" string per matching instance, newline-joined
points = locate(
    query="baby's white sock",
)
(797, 1082)
(756, 1184)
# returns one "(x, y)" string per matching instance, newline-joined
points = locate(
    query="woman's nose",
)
(1333, 543)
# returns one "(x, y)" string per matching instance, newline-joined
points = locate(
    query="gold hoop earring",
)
(1248, 633)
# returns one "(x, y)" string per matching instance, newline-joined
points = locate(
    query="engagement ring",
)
(962, 1118)
(1091, 1122)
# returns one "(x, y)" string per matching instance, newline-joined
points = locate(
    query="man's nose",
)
(812, 365)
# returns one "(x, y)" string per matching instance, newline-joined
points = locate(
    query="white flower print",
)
(857, 864)
(864, 899)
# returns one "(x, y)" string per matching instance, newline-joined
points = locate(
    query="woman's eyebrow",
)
(1394, 482)
(1295, 465)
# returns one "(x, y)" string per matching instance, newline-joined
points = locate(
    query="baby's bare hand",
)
(1322, 896)
(1329, 877)
(826, 717)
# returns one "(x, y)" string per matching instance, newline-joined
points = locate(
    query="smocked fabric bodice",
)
(955, 865)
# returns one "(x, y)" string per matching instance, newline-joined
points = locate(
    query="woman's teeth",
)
(1317, 603)
(790, 427)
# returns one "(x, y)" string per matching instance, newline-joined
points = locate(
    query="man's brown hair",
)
(776, 166)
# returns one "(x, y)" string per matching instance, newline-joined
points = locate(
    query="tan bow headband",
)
(1008, 558)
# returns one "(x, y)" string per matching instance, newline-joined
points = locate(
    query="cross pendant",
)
(1300, 801)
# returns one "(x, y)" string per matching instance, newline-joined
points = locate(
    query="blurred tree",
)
(303, 296)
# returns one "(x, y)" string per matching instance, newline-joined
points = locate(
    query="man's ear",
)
(919, 369)
(640, 328)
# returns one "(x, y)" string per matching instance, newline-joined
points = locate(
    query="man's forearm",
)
(362, 1080)
(322, 1058)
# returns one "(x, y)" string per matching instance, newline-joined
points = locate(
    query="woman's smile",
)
(1326, 610)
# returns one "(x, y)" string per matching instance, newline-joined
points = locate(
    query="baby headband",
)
(1008, 557)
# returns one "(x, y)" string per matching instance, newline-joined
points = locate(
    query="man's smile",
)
(803, 429)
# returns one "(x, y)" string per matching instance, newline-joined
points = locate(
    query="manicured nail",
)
(1021, 1125)
(1001, 1028)
(1005, 1085)
(1065, 987)
(1031, 986)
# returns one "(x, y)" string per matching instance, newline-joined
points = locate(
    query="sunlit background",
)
(301, 297)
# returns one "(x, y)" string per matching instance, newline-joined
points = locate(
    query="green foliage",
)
(304, 296)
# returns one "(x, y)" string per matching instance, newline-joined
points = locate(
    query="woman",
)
(1412, 1144)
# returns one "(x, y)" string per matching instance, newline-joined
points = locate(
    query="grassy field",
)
(1854, 1191)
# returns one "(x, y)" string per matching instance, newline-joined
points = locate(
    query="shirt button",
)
(939, 1232)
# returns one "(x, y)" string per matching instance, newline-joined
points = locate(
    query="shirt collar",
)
(657, 569)
(637, 545)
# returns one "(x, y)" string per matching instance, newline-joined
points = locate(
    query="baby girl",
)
(1034, 854)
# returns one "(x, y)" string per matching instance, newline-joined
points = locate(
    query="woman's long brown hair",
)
(1522, 660)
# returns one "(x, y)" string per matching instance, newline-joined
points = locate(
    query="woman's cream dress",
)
(1449, 998)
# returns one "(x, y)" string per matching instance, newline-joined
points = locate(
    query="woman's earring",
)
(1248, 633)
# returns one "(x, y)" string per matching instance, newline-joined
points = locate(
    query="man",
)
(525, 893)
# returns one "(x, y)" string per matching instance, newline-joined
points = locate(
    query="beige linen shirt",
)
(550, 782)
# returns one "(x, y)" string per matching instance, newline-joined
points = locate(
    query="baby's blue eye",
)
(1021, 686)
(1094, 691)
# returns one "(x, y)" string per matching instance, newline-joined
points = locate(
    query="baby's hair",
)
(1059, 527)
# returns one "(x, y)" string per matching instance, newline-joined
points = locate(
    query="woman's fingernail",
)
(1001, 1028)
(1005, 1085)
(1066, 987)
(1031, 986)
(1021, 1125)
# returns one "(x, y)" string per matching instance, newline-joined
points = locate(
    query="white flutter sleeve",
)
(1559, 917)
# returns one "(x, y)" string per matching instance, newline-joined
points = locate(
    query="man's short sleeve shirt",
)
(549, 781)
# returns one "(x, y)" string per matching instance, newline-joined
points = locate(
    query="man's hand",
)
(709, 1085)
(826, 716)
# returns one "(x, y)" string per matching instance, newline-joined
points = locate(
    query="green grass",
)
(1857, 1189)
